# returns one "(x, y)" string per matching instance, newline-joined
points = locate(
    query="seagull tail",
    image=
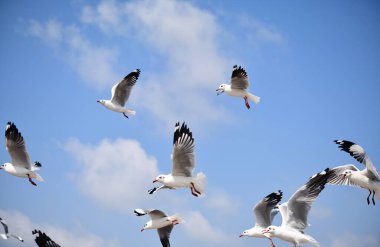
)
(130, 112)
(177, 218)
(201, 183)
(38, 177)
(3, 236)
(254, 98)
(313, 241)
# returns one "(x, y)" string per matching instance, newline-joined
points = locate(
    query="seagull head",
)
(269, 231)
(245, 233)
(101, 101)
(148, 225)
(159, 178)
(347, 173)
(221, 89)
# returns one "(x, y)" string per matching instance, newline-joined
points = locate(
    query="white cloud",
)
(321, 212)
(198, 228)
(114, 173)
(21, 225)
(95, 65)
(350, 239)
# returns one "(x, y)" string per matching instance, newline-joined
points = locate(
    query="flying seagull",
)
(239, 86)
(160, 221)
(120, 94)
(6, 233)
(21, 165)
(264, 211)
(43, 240)
(295, 211)
(183, 160)
(367, 178)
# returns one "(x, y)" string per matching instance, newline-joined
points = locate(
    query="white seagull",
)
(6, 233)
(239, 86)
(183, 160)
(160, 221)
(264, 211)
(367, 178)
(295, 211)
(21, 165)
(120, 94)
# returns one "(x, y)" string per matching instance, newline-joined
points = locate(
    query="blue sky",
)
(315, 66)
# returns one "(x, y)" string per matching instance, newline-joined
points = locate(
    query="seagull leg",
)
(370, 192)
(125, 115)
(31, 181)
(271, 242)
(373, 197)
(246, 102)
(193, 188)
(193, 193)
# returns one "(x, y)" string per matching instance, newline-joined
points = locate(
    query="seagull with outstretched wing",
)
(160, 221)
(264, 211)
(294, 212)
(21, 165)
(368, 178)
(183, 159)
(6, 233)
(239, 86)
(43, 240)
(120, 94)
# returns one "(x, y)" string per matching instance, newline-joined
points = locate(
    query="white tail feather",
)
(178, 218)
(200, 182)
(254, 98)
(38, 177)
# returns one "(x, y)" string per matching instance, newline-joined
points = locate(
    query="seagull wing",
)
(164, 234)
(263, 209)
(16, 237)
(5, 226)
(43, 240)
(360, 155)
(16, 147)
(300, 203)
(336, 177)
(183, 151)
(122, 90)
(239, 78)
(153, 213)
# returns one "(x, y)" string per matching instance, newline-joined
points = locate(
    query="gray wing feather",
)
(358, 153)
(183, 151)
(239, 78)
(15, 145)
(153, 213)
(263, 209)
(336, 177)
(122, 90)
(164, 234)
(300, 203)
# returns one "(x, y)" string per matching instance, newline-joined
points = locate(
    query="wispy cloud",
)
(222, 203)
(94, 64)
(114, 173)
(23, 226)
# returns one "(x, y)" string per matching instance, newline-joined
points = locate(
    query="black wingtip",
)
(37, 164)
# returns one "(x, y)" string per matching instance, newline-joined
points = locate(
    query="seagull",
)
(120, 94)
(367, 178)
(239, 86)
(264, 211)
(295, 211)
(6, 234)
(183, 160)
(43, 240)
(160, 221)
(21, 165)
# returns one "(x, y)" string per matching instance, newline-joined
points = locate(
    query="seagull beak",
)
(1, 167)
(219, 91)
(155, 180)
(241, 235)
(142, 229)
(98, 101)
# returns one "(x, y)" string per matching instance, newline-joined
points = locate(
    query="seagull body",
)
(160, 221)
(6, 233)
(367, 178)
(264, 212)
(239, 86)
(183, 160)
(21, 165)
(294, 212)
(120, 94)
